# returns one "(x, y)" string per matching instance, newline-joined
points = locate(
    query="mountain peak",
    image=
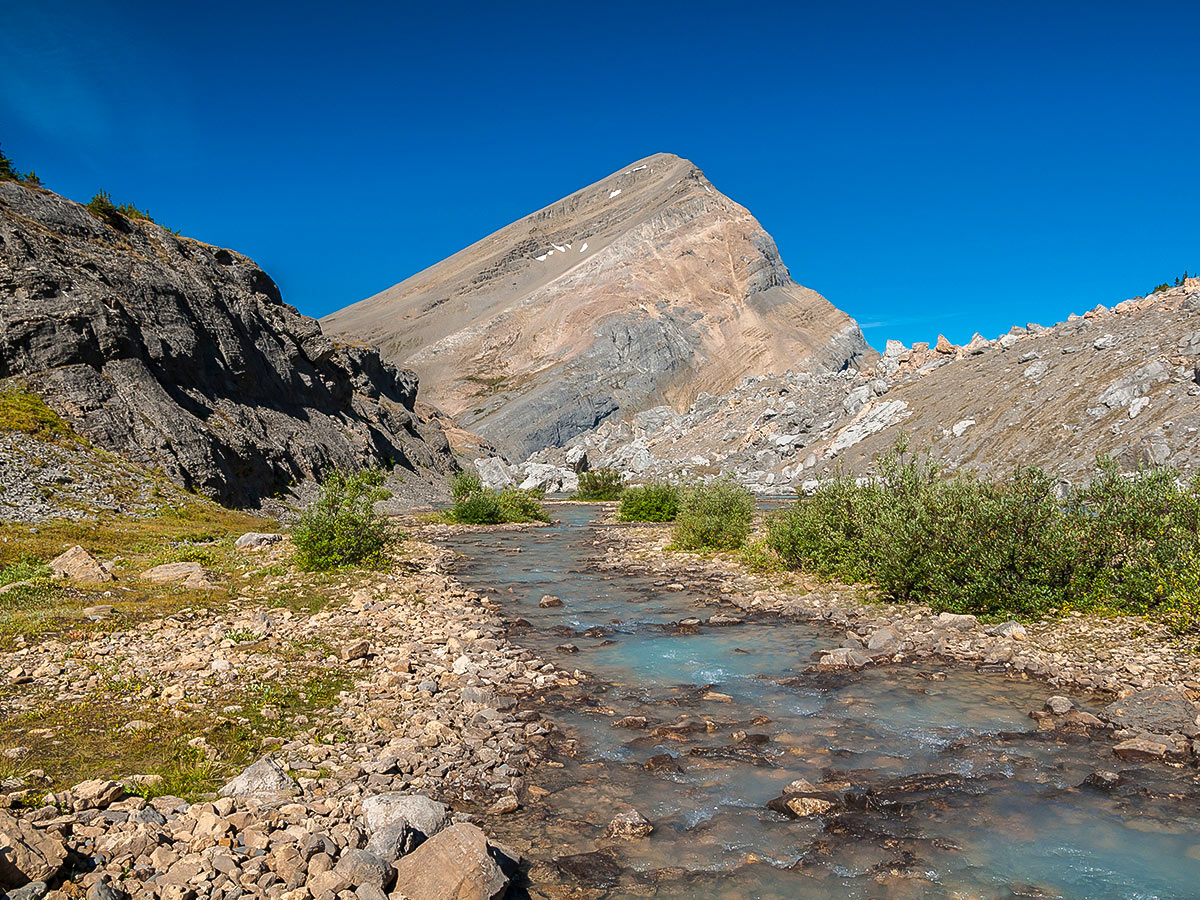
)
(646, 287)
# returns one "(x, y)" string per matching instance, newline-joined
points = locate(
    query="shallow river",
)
(952, 792)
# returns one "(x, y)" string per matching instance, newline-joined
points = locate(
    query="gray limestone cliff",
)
(183, 356)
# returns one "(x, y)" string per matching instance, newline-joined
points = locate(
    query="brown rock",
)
(27, 854)
(629, 825)
(79, 565)
(1140, 749)
(452, 865)
(944, 346)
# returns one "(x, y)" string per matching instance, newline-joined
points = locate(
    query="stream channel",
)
(947, 789)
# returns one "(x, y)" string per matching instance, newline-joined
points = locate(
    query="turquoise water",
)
(733, 718)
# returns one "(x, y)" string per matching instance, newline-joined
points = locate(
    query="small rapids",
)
(946, 789)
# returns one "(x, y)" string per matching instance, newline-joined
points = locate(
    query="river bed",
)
(946, 788)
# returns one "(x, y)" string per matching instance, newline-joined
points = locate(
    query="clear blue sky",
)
(928, 167)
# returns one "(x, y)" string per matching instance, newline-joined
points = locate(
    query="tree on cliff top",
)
(7, 172)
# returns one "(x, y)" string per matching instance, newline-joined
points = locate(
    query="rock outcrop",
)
(183, 356)
(1123, 382)
(646, 288)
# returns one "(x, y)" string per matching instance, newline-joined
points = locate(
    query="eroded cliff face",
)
(183, 356)
(646, 288)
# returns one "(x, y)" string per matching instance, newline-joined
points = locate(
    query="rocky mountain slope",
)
(183, 356)
(645, 288)
(1123, 382)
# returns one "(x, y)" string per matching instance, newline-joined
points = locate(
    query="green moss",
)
(23, 411)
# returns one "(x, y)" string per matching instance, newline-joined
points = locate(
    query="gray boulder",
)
(394, 840)
(420, 812)
(494, 473)
(264, 779)
(361, 867)
(548, 478)
(255, 540)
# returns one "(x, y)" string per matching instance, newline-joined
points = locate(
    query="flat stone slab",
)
(189, 574)
(1161, 710)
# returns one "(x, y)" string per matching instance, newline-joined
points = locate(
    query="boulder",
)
(393, 841)
(77, 564)
(27, 854)
(548, 478)
(957, 621)
(420, 812)
(96, 793)
(549, 601)
(1141, 749)
(1013, 630)
(455, 864)
(494, 473)
(844, 658)
(265, 779)
(361, 867)
(629, 825)
(884, 639)
(1163, 710)
(356, 650)
(1059, 706)
(189, 574)
(256, 540)
(944, 346)
(577, 459)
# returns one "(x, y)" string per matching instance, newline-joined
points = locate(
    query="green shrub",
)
(31, 177)
(1003, 548)
(714, 516)
(129, 211)
(488, 507)
(649, 503)
(599, 484)
(7, 172)
(465, 483)
(341, 527)
(480, 508)
(102, 206)
(522, 506)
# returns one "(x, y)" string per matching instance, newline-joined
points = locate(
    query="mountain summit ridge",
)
(646, 287)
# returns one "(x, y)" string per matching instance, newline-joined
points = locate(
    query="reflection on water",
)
(731, 719)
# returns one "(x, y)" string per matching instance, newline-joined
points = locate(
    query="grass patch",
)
(23, 411)
(197, 530)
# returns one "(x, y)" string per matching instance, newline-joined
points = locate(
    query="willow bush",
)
(1021, 546)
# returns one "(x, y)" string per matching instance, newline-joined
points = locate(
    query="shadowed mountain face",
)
(646, 288)
(183, 356)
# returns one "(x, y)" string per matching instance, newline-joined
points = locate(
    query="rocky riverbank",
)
(1145, 679)
(383, 720)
